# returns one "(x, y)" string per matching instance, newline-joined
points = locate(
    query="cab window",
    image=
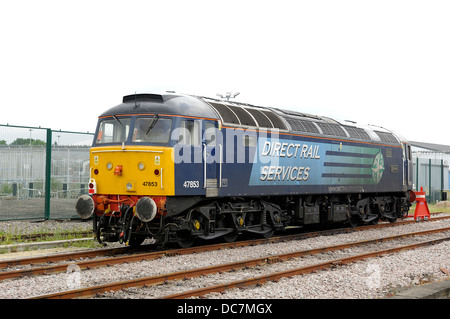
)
(152, 130)
(113, 130)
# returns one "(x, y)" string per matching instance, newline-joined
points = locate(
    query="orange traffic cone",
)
(421, 206)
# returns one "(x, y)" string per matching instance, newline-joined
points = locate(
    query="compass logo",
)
(377, 168)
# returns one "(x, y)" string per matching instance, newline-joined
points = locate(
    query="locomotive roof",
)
(241, 114)
(176, 104)
(246, 115)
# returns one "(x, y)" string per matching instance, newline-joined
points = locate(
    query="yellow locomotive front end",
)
(133, 170)
(123, 176)
(131, 175)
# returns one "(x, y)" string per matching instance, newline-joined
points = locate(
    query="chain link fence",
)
(42, 172)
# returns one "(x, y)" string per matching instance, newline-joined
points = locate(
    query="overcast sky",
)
(62, 63)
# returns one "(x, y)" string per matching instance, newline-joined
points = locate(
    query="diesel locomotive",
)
(174, 168)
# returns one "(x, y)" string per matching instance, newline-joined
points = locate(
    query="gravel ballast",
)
(17, 227)
(373, 278)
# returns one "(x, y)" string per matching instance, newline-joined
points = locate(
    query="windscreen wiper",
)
(152, 124)
(115, 117)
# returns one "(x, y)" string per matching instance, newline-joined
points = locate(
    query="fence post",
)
(48, 171)
(442, 180)
(430, 199)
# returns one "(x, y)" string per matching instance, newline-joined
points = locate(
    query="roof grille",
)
(260, 117)
(226, 113)
(332, 129)
(244, 117)
(302, 126)
(143, 97)
(387, 137)
(357, 132)
(275, 119)
(247, 116)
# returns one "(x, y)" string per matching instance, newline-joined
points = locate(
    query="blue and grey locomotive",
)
(175, 167)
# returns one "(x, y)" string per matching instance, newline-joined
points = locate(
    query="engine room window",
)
(152, 130)
(189, 133)
(113, 130)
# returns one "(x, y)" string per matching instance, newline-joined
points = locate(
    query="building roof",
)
(432, 147)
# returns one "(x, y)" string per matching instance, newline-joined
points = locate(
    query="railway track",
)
(164, 278)
(129, 254)
(36, 237)
(298, 271)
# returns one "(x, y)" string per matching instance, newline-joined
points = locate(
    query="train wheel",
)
(231, 237)
(136, 241)
(392, 220)
(185, 239)
(355, 221)
(269, 234)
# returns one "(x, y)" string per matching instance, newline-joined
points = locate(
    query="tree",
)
(27, 141)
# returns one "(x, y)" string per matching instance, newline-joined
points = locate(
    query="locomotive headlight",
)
(109, 166)
(141, 166)
(130, 186)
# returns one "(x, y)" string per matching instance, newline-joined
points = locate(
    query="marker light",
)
(92, 186)
(118, 170)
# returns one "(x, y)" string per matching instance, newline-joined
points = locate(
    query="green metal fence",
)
(42, 172)
(432, 175)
